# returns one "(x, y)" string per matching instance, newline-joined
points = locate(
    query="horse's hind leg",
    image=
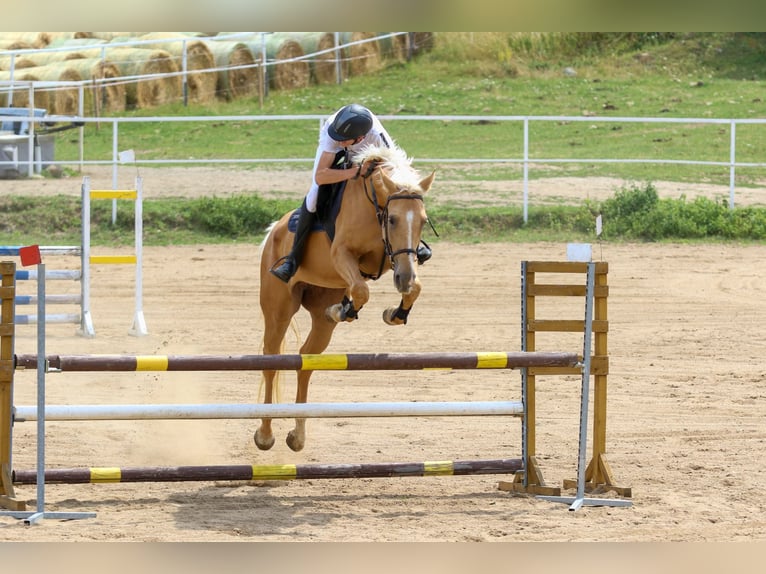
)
(316, 300)
(277, 315)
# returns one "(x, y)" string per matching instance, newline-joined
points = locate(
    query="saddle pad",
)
(328, 206)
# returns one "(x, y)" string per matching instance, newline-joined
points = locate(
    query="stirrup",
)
(285, 271)
(423, 253)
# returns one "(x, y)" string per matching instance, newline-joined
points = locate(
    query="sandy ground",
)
(687, 386)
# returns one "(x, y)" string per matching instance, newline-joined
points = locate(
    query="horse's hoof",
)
(294, 442)
(390, 317)
(339, 314)
(333, 313)
(261, 443)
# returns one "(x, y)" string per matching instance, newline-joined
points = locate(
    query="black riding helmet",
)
(351, 121)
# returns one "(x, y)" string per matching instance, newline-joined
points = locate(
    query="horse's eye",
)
(392, 220)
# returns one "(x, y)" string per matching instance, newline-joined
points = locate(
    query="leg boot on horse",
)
(290, 265)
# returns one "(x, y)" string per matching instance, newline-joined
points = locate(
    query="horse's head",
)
(402, 216)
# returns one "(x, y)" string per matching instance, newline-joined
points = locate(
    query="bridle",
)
(382, 214)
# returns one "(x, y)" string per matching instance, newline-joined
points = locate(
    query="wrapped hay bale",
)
(393, 47)
(109, 36)
(364, 57)
(21, 93)
(77, 43)
(58, 37)
(201, 78)
(16, 46)
(23, 40)
(18, 63)
(422, 42)
(101, 94)
(151, 76)
(287, 72)
(238, 71)
(322, 66)
(61, 100)
(43, 58)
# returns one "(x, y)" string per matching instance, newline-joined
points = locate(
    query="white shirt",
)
(377, 136)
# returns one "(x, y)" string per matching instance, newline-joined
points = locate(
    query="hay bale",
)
(61, 100)
(109, 36)
(58, 37)
(322, 67)
(162, 83)
(201, 78)
(75, 43)
(21, 93)
(24, 40)
(363, 58)
(237, 69)
(16, 46)
(43, 58)
(19, 63)
(422, 42)
(101, 95)
(287, 73)
(393, 47)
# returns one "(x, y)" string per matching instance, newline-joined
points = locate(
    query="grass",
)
(494, 74)
(587, 75)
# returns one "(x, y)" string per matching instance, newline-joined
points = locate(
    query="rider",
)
(351, 128)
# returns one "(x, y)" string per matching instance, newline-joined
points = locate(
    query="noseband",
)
(382, 215)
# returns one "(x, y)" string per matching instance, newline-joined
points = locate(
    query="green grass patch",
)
(633, 213)
(608, 75)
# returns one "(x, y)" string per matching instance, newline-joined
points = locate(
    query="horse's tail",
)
(269, 229)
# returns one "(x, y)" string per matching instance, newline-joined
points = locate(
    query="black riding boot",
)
(293, 260)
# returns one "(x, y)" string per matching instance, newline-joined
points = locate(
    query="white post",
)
(139, 323)
(732, 156)
(526, 169)
(86, 320)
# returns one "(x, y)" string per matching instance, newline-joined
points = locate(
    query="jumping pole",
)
(104, 475)
(323, 362)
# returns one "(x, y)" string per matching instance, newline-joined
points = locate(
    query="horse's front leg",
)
(264, 436)
(398, 315)
(357, 292)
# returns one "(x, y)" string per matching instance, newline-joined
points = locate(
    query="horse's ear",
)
(387, 181)
(425, 183)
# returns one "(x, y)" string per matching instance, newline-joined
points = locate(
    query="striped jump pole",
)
(53, 274)
(321, 362)
(110, 475)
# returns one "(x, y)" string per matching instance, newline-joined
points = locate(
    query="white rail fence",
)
(526, 158)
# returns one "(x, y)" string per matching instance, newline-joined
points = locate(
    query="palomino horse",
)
(377, 228)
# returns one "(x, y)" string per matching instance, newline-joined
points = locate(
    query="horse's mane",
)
(395, 160)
